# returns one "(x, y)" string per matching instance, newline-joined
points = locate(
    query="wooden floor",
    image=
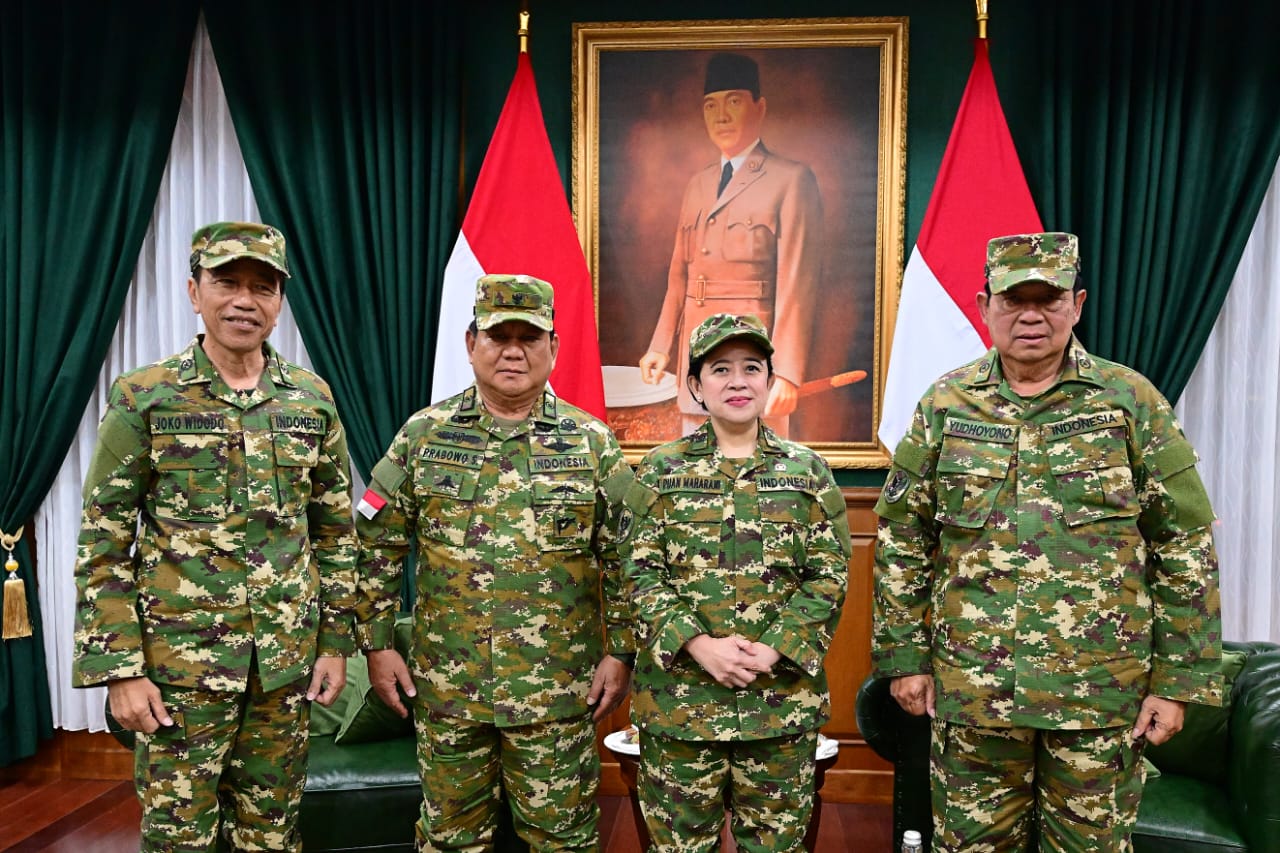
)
(90, 816)
(69, 816)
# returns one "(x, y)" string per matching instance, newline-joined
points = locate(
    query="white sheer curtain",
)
(204, 181)
(1231, 411)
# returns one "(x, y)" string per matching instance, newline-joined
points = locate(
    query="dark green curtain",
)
(1150, 129)
(83, 141)
(347, 115)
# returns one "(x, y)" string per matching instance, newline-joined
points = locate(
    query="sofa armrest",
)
(903, 740)
(1254, 775)
(876, 720)
(123, 736)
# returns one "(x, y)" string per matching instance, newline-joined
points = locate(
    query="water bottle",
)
(911, 842)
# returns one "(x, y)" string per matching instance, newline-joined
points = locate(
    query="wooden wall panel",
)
(859, 775)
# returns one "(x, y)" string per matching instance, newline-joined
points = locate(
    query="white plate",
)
(617, 742)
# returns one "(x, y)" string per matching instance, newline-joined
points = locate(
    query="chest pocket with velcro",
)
(446, 474)
(973, 466)
(296, 437)
(1089, 458)
(189, 454)
(693, 510)
(562, 470)
(787, 505)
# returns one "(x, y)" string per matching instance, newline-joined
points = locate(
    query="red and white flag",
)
(371, 504)
(519, 222)
(980, 193)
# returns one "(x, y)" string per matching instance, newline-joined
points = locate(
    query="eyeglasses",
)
(1060, 302)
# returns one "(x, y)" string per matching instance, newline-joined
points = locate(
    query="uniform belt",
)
(701, 289)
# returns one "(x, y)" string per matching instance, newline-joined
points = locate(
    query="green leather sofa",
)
(362, 791)
(360, 796)
(1213, 788)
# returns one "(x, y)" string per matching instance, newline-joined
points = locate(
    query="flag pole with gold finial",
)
(982, 18)
(524, 26)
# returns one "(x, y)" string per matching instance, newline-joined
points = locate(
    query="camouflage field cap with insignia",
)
(719, 328)
(223, 242)
(1053, 258)
(500, 298)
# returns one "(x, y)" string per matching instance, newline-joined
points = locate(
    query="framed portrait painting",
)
(749, 166)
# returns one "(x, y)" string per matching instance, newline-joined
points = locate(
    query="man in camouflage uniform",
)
(1046, 584)
(510, 495)
(230, 607)
(739, 567)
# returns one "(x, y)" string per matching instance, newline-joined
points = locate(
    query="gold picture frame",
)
(834, 104)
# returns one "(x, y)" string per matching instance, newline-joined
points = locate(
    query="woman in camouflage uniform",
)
(736, 545)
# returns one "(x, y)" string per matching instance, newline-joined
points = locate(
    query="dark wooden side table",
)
(628, 755)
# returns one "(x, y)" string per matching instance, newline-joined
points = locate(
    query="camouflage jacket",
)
(759, 548)
(515, 530)
(1050, 560)
(246, 544)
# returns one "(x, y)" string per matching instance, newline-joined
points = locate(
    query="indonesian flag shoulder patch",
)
(370, 504)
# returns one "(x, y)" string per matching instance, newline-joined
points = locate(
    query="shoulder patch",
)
(626, 523)
(897, 486)
(1170, 458)
(617, 484)
(371, 504)
(912, 457)
(389, 475)
(640, 498)
(832, 500)
(118, 434)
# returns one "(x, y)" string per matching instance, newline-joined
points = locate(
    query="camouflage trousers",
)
(767, 786)
(233, 764)
(995, 789)
(549, 773)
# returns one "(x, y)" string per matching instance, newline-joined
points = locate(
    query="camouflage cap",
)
(500, 298)
(223, 242)
(1053, 258)
(718, 328)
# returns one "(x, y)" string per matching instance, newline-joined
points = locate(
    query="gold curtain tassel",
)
(17, 622)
